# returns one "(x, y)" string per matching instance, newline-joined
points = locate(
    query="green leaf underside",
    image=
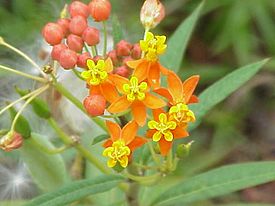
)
(77, 190)
(223, 88)
(178, 42)
(218, 182)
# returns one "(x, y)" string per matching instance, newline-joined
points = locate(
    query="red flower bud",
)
(113, 57)
(11, 141)
(123, 48)
(97, 58)
(122, 71)
(75, 43)
(95, 104)
(57, 49)
(64, 23)
(53, 33)
(126, 59)
(82, 60)
(136, 51)
(78, 24)
(100, 9)
(78, 8)
(68, 59)
(91, 36)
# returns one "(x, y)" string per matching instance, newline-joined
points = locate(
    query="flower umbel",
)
(153, 46)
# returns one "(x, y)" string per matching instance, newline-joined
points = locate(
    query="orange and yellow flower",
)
(122, 143)
(179, 95)
(148, 68)
(164, 131)
(135, 96)
(97, 77)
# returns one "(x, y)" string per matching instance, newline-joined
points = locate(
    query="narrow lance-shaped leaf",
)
(48, 171)
(178, 42)
(77, 190)
(217, 182)
(223, 88)
(117, 30)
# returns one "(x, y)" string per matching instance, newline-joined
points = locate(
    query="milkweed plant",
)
(135, 97)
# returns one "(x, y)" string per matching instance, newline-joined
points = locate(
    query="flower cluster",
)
(127, 82)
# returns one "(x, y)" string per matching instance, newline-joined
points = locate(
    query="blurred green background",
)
(230, 33)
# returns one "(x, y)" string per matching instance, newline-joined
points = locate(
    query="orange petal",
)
(108, 65)
(118, 81)
(141, 71)
(150, 133)
(154, 75)
(134, 64)
(109, 92)
(114, 130)
(175, 86)
(139, 112)
(193, 99)
(189, 86)
(179, 133)
(153, 102)
(164, 92)
(137, 142)
(107, 143)
(164, 146)
(129, 132)
(95, 90)
(157, 112)
(163, 70)
(120, 105)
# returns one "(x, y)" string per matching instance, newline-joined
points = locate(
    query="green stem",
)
(84, 152)
(23, 55)
(38, 92)
(105, 38)
(23, 74)
(48, 150)
(77, 74)
(142, 179)
(77, 103)
(169, 163)
(94, 51)
(154, 156)
(87, 49)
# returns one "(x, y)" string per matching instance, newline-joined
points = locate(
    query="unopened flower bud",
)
(100, 9)
(136, 51)
(91, 36)
(97, 58)
(57, 49)
(82, 60)
(68, 59)
(123, 48)
(75, 43)
(95, 105)
(78, 24)
(183, 150)
(152, 13)
(127, 59)
(64, 23)
(77, 8)
(47, 69)
(11, 141)
(113, 56)
(123, 71)
(53, 33)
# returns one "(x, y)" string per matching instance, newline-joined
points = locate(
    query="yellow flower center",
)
(163, 128)
(118, 152)
(181, 114)
(152, 46)
(134, 91)
(96, 73)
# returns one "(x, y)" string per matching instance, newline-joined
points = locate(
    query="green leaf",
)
(39, 106)
(223, 88)
(246, 204)
(77, 190)
(22, 125)
(48, 171)
(100, 138)
(218, 182)
(117, 30)
(178, 42)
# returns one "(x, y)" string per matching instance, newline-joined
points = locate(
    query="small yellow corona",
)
(134, 90)
(181, 114)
